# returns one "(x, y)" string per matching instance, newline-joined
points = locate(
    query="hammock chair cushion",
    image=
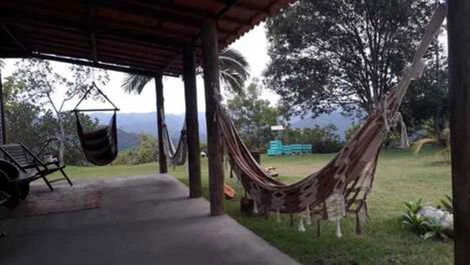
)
(99, 146)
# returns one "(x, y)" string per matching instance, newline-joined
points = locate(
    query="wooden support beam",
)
(458, 19)
(3, 137)
(160, 116)
(87, 63)
(213, 98)
(192, 124)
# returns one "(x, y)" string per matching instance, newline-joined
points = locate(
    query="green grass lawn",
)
(401, 176)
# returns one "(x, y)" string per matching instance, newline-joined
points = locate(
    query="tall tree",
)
(234, 71)
(327, 54)
(253, 116)
(427, 100)
(41, 80)
(32, 124)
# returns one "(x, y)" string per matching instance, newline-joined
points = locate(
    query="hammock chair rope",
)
(342, 186)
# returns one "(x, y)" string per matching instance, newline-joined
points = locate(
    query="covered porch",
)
(140, 220)
(150, 220)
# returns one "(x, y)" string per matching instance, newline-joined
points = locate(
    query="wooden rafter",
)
(146, 35)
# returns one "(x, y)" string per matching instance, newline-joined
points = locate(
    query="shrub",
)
(146, 152)
(426, 228)
(446, 204)
(324, 139)
(412, 219)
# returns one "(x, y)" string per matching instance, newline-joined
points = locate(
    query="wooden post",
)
(192, 124)
(212, 95)
(160, 114)
(458, 21)
(2, 113)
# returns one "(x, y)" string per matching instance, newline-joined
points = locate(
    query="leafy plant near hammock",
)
(427, 228)
(446, 204)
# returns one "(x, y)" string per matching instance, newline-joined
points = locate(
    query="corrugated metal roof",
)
(143, 35)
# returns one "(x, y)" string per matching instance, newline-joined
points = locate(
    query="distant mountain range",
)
(341, 122)
(132, 125)
(127, 140)
(146, 123)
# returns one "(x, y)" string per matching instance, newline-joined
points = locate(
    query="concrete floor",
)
(143, 220)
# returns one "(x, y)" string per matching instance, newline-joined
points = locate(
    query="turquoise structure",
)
(277, 148)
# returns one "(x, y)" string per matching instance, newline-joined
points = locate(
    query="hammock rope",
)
(342, 186)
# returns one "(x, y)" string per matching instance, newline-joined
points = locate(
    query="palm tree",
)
(233, 69)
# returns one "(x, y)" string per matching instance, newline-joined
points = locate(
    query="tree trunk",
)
(61, 138)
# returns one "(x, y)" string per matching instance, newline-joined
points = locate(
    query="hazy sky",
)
(252, 45)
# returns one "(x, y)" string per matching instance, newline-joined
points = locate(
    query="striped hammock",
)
(342, 186)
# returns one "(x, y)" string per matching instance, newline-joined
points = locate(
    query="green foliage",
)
(426, 228)
(414, 206)
(135, 83)
(434, 230)
(40, 79)
(22, 123)
(324, 139)
(32, 124)
(412, 219)
(36, 81)
(253, 116)
(330, 53)
(447, 204)
(72, 149)
(426, 102)
(415, 222)
(233, 69)
(26, 124)
(146, 152)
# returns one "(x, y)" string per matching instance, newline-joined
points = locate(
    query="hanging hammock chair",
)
(100, 146)
(342, 186)
(176, 156)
